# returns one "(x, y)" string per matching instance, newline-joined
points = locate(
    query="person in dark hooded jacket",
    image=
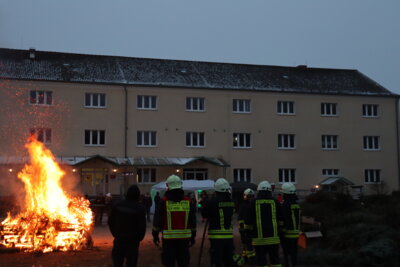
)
(127, 223)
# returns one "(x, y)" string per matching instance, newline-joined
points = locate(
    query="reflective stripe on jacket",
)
(291, 219)
(176, 216)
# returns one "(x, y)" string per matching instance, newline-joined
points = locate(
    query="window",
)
(287, 175)
(146, 175)
(195, 104)
(94, 100)
(370, 110)
(286, 141)
(146, 102)
(328, 109)
(146, 138)
(42, 134)
(329, 141)
(41, 97)
(285, 107)
(195, 174)
(372, 176)
(241, 140)
(95, 137)
(242, 175)
(330, 172)
(371, 143)
(241, 105)
(194, 139)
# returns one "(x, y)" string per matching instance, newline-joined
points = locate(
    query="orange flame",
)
(52, 220)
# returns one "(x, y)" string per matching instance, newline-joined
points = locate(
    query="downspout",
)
(126, 123)
(397, 143)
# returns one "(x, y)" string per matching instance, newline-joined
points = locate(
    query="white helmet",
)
(288, 188)
(222, 185)
(264, 186)
(174, 182)
(248, 192)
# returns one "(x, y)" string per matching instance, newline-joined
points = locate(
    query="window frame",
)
(372, 179)
(192, 101)
(44, 135)
(200, 138)
(373, 140)
(290, 172)
(238, 139)
(239, 173)
(288, 105)
(92, 137)
(152, 175)
(195, 172)
(289, 139)
(332, 142)
(151, 135)
(325, 172)
(92, 100)
(142, 99)
(239, 102)
(370, 111)
(328, 106)
(36, 99)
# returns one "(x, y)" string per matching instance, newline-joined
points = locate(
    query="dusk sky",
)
(348, 34)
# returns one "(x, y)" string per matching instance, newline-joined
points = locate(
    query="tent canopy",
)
(188, 185)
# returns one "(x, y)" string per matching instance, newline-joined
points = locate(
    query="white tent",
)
(188, 185)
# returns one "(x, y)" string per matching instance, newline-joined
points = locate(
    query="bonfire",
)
(52, 220)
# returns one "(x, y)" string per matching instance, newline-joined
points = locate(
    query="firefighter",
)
(219, 212)
(248, 249)
(290, 224)
(261, 222)
(175, 217)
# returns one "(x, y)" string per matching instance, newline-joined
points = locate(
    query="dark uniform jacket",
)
(127, 221)
(262, 219)
(291, 215)
(219, 212)
(178, 220)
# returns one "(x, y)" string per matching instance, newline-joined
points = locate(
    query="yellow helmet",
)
(174, 182)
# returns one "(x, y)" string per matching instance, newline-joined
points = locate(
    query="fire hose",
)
(202, 243)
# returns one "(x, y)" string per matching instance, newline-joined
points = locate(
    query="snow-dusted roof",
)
(54, 66)
(334, 180)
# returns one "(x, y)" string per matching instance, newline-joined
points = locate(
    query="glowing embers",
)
(52, 220)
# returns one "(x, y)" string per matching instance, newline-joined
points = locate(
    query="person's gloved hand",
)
(156, 239)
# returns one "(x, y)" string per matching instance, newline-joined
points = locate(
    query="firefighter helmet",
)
(288, 188)
(264, 186)
(174, 182)
(247, 192)
(222, 185)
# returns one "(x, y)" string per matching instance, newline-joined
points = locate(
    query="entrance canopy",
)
(188, 185)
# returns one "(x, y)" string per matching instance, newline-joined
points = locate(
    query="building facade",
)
(115, 121)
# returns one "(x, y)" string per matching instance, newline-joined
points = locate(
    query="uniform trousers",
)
(263, 251)
(175, 251)
(221, 252)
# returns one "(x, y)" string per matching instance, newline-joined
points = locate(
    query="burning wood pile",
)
(52, 220)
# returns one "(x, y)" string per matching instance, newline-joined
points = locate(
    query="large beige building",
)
(114, 121)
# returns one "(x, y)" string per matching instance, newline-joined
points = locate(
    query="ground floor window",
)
(146, 175)
(94, 176)
(195, 174)
(242, 175)
(287, 175)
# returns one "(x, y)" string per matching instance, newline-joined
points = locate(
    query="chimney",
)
(32, 53)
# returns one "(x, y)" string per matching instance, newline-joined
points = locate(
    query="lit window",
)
(241, 106)
(41, 97)
(146, 138)
(95, 100)
(95, 137)
(195, 104)
(285, 107)
(328, 109)
(146, 102)
(241, 140)
(194, 139)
